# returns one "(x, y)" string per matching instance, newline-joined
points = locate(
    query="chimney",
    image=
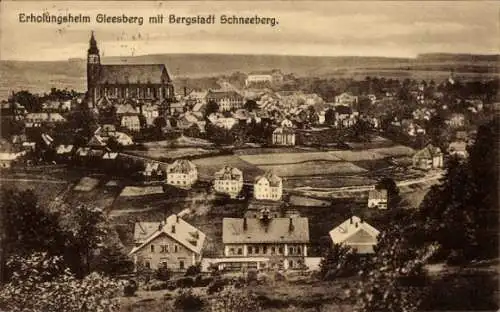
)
(351, 220)
(173, 228)
(185, 91)
(291, 227)
(160, 226)
(177, 218)
(245, 224)
(356, 224)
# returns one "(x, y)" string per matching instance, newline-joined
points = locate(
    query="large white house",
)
(228, 181)
(357, 234)
(268, 187)
(182, 173)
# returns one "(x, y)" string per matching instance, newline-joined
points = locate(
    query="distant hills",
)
(41, 76)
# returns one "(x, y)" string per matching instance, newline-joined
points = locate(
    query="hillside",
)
(41, 76)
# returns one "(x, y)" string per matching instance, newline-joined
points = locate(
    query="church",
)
(122, 82)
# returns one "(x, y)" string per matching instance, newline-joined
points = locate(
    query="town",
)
(259, 180)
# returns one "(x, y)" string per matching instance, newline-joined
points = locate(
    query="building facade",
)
(283, 136)
(268, 187)
(278, 243)
(126, 81)
(182, 173)
(172, 243)
(377, 199)
(229, 181)
(227, 100)
(428, 158)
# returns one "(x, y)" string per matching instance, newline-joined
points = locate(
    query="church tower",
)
(93, 69)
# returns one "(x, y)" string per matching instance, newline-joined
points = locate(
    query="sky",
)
(317, 28)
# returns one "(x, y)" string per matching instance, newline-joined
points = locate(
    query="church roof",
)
(134, 73)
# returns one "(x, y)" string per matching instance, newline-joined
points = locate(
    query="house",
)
(64, 152)
(282, 242)
(427, 158)
(228, 181)
(150, 113)
(226, 122)
(283, 136)
(34, 120)
(172, 243)
(8, 154)
(182, 173)
(268, 187)
(123, 139)
(377, 199)
(458, 148)
(131, 122)
(357, 234)
(226, 99)
(152, 169)
(456, 120)
(346, 99)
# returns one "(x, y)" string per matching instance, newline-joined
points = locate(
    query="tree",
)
(250, 105)
(42, 284)
(339, 261)
(393, 198)
(28, 227)
(211, 107)
(112, 261)
(30, 101)
(87, 231)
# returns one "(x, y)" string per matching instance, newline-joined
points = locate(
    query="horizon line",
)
(497, 54)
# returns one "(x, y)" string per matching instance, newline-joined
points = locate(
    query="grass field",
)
(313, 168)
(288, 158)
(168, 152)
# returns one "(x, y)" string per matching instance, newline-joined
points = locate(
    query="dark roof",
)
(275, 230)
(132, 73)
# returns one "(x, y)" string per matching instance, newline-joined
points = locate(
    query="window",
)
(290, 263)
(176, 248)
(164, 248)
(264, 249)
(147, 264)
(181, 264)
(299, 251)
(273, 250)
(152, 248)
(280, 250)
(231, 251)
(291, 250)
(240, 251)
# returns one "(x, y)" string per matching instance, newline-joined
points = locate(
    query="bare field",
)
(167, 152)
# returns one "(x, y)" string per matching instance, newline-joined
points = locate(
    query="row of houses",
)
(262, 242)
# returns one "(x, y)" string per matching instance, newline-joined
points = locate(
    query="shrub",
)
(340, 261)
(252, 276)
(193, 270)
(130, 288)
(216, 286)
(201, 281)
(188, 301)
(163, 273)
(156, 285)
(234, 300)
(184, 282)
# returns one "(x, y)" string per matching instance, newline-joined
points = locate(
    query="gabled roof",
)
(458, 146)
(181, 166)
(97, 141)
(228, 173)
(428, 152)
(274, 230)
(221, 94)
(134, 73)
(350, 227)
(378, 194)
(64, 149)
(273, 179)
(174, 227)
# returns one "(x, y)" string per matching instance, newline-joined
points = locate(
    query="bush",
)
(201, 281)
(130, 288)
(216, 286)
(193, 270)
(234, 300)
(156, 285)
(252, 276)
(188, 301)
(184, 282)
(163, 273)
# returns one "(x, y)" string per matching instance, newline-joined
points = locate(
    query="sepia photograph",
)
(241, 156)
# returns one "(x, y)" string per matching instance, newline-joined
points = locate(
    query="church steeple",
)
(93, 68)
(93, 45)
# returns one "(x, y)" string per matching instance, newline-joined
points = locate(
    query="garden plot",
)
(141, 190)
(208, 166)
